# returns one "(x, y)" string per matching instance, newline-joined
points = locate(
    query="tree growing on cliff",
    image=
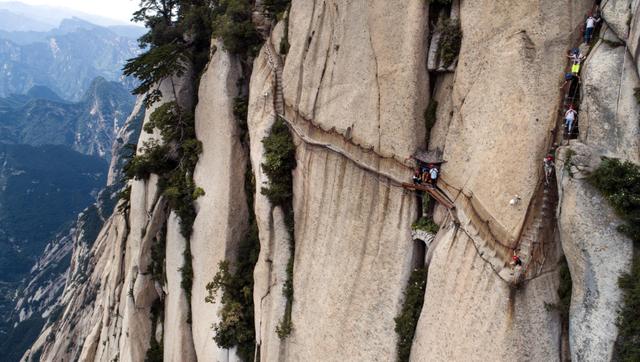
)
(619, 182)
(179, 35)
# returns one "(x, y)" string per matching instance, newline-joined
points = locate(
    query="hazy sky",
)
(115, 9)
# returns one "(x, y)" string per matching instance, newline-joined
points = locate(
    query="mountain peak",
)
(74, 23)
(43, 92)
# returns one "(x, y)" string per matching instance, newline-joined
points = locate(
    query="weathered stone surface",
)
(609, 109)
(634, 33)
(109, 284)
(495, 130)
(178, 340)
(597, 255)
(353, 256)
(126, 135)
(353, 237)
(222, 211)
(469, 314)
(443, 95)
(360, 66)
(617, 14)
(505, 99)
(270, 270)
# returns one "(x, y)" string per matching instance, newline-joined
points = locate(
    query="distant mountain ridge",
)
(65, 109)
(65, 59)
(90, 126)
(17, 22)
(52, 15)
(36, 299)
(41, 189)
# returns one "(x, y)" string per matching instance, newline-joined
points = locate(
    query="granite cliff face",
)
(352, 90)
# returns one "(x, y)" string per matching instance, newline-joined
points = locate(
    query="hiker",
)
(575, 68)
(575, 55)
(569, 119)
(416, 177)
(590, 24)
(516, 261)
(433, 175)
(569, 77)
(548, 160)
(548, 167)
(424, 174)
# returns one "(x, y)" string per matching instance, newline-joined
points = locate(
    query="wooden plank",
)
(433, 191)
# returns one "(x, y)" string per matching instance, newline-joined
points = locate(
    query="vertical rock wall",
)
(597, 255)
(596, 252)
(109, 294)
(609, 110)
(222, 211)
(504, 101)
(178, 318)
(270, 270)
(352, 234)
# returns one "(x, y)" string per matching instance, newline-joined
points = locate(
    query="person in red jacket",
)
(516, 261)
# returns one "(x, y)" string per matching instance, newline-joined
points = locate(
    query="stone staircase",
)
(275, 63)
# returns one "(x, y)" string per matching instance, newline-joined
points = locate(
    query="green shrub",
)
(232, 23)
(125, 197)
(430, 118)
(284, 327)
(627, 346)
(277, 7)
(158, 255)
(241, 109)
(407, 320)
(619, 182)
(153, 158)
(450, 41)
(284, 42)
(236, 327)
(186, 273)
(568, 162)
(426, 224)
(427, 202)
(280, 160)
(564, 291)
(155, 352)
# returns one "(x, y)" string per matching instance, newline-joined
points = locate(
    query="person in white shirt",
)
(576, 55)
(433, 175)
(569, 118)
(590, 25)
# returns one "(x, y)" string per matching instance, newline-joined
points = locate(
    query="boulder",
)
(597, 255)
(609, 109)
